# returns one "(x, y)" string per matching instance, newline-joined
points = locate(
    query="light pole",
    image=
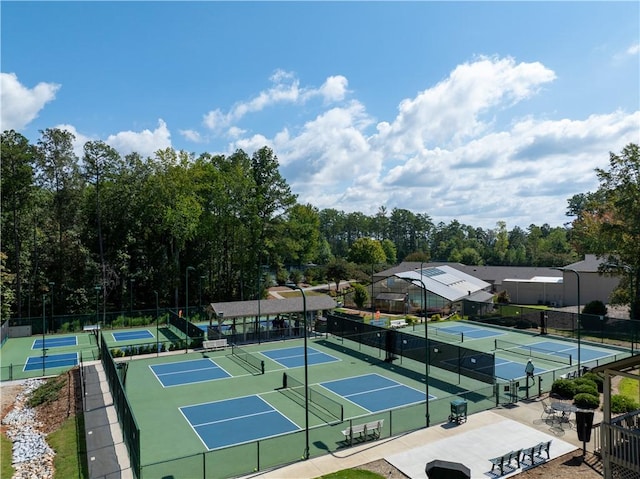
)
(44, 351)
(306, 370)
(186, 316)
(202, 276)
(97, 289)
(51, 285)
(131, 281)
(426, 344)
(157, 326)
(578, 320)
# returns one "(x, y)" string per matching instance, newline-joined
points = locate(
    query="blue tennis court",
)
(51, 361)
(236, 421)
(375, 393)
(132, 335)
(55, 342)
(507, 369)
(564, 349)
(294, 357)
(470, 332)
(188, 372)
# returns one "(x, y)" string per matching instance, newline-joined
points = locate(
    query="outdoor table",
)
(565, 408)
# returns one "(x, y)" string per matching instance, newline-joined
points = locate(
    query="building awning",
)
(271, 307)
(391, 297)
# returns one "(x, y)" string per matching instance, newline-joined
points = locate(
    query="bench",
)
(505, 460)
(373, 429)
(536, 451)
(397, 323)
(214, 344)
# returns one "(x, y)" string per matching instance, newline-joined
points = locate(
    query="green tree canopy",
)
(608, 221)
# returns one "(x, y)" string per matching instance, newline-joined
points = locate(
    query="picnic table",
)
(565, 408)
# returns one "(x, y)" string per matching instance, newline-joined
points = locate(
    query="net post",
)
(262, 367)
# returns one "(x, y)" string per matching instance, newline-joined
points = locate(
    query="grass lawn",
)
(71, 452)
(5, 448)
(630, 388)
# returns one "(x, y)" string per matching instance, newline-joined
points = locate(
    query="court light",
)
(426, 343)
(306, 369)
(44, 302)
(578, 320)
(186, 316)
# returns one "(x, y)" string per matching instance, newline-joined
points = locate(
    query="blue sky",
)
(475, 111)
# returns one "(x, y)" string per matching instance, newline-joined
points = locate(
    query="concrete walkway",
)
(107, 455)
(484, 435)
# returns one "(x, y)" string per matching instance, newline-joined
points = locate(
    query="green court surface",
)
(181, 401)
(17, 352)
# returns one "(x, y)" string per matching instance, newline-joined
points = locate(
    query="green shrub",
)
(621, 404)
(565, 388)
(586, 401)
(596, 378)
(589, 382)
(596, 307)
(46, 393)
(589, 388)
(436, 317)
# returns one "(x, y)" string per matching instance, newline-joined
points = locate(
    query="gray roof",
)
(445, 281)
(237, 309)
(490, 274)
(589, 264)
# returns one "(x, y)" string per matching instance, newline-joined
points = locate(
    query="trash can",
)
(458, 411)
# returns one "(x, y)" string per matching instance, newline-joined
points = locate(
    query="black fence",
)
(450, 357)
(193, 332)
(603, 329)
(130, 429)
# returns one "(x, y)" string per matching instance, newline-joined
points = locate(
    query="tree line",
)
(124, 230)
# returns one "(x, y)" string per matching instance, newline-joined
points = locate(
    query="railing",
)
(620, 442)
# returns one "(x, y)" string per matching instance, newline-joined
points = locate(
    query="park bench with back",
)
(214, 344)
(370, 429)
(505, 460)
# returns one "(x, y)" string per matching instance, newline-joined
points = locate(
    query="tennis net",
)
(316, 398)
(249, 358)
(533, 352)
(457, 337)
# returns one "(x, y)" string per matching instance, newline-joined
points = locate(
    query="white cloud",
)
(285, 89)
(21, 105)
(450, 112)
(145, 142)
(458, 165)
(634, 49)
(191, 135)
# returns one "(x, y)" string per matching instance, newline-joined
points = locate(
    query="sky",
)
(478, 112)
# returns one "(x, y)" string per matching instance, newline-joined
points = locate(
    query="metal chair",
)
(548, 412)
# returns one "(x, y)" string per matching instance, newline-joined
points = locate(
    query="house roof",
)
(490, 274)
(590, 264)
(236, 309)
